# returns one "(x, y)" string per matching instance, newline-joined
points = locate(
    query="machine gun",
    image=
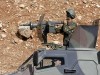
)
(43, 27)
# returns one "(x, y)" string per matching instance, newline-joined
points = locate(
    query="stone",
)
(98, 6)
(79, 17)
(85, 1)
(3, 35)
(41, 6)
(0, 24)
(4, 30)
(27, 45)
(22, 6)
(12, 33)
(8, 48)
(17, 1)
(25, 32)
(17, 41)
(87, 6)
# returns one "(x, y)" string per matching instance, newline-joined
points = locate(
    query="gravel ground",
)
(13, 51)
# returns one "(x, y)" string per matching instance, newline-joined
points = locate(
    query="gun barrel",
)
(55, 22)
(34, 25)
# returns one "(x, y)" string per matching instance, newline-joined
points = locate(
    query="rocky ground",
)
(13, 50)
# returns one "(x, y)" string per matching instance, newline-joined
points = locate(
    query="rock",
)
(66, 1)
(27, 45)
(87, 6)
(41, 7)
(25, 32)
(17, 1)
(3, 35)
(20, 41)
(22, 6)
(85, 1)
(8, 48)
(1, 38)
(90, 0)
(0, 24)
(98, 6)
(79, 17)
(17, 41)
(12, 33)
(4, 30)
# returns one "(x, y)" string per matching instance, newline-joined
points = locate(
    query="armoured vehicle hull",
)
(74, 61)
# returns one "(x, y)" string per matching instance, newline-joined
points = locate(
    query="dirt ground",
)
(13, 51)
